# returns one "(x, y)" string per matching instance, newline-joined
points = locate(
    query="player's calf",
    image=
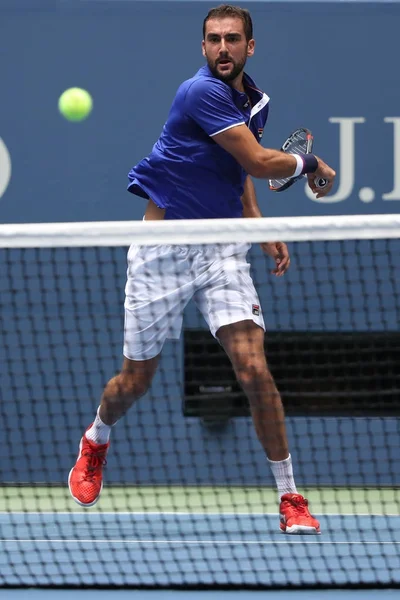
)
(85, 480)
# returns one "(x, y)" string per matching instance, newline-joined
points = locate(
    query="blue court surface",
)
(168, 549)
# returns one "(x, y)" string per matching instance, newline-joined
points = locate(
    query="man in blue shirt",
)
(201, 167)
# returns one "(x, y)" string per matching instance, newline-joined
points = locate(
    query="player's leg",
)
(244, 344)
(121, 392)
(155, 294)
(229, 302)
(86, 477)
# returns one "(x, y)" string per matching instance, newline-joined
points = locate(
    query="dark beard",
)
(237, 68)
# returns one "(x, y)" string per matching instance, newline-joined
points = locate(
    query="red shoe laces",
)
(96, 461)
(300, 504)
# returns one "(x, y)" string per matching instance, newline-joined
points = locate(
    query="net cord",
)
(199, 231)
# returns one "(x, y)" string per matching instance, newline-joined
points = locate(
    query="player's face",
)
(225, 47)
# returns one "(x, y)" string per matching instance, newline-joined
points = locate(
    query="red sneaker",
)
(85, 480)
(295, 516)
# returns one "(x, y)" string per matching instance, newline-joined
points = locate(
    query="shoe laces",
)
(96, 460)
(299, 504)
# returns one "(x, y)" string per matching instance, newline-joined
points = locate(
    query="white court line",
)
(177, 513)
(200, 542)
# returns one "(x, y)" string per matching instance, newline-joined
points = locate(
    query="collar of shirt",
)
(240, 98)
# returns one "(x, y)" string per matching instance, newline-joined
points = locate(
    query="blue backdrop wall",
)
(337, 80)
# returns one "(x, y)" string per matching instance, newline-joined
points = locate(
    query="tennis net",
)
(189, 500)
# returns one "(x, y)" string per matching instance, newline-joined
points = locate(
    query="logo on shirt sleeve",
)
(255, 309)
(260, 132)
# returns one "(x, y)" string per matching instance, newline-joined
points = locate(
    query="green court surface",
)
(177, 537)
(361, 501)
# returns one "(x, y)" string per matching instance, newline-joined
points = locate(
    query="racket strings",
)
(296, 145)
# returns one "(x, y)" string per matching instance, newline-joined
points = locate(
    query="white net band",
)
(201, 231)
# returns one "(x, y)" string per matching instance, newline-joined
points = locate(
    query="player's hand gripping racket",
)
(299, 142)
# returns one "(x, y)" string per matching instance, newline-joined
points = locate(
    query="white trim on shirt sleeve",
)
(226, 128)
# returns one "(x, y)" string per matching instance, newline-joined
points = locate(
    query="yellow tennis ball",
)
(75, 104)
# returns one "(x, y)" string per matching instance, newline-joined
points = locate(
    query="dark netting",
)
(189, 499)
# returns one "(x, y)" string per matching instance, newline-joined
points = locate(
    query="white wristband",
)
(300, 166)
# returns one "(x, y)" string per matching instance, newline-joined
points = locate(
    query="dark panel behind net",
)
(186, 505)
(317, 373)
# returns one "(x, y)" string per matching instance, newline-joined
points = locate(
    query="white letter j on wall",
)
(346, 162)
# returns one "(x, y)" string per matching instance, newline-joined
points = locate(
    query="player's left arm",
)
(277, 250)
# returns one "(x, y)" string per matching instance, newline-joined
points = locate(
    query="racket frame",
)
(285, 145)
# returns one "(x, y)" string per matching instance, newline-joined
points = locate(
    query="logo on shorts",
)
(255, 309)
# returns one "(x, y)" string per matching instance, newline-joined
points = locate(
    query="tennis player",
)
(201, 167)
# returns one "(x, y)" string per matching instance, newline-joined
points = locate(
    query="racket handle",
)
(320, 182)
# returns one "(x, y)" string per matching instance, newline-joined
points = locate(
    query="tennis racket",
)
(299, 142)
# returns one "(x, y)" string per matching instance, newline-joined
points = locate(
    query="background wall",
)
(133, 55)
(327, 66)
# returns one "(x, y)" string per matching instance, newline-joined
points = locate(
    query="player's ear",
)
(203, 48)
(250, 47)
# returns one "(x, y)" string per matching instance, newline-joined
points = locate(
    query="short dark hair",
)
(227, 10)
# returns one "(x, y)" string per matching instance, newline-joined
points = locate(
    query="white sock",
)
(282, 470)
(99, 433)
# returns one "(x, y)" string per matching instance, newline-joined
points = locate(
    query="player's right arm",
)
(209, 103)
(262, 162)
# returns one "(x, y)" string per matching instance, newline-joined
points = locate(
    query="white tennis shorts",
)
(162, 279)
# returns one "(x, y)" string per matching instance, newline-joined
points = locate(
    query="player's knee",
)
(252, 374)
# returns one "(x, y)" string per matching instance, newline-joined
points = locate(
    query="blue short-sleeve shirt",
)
(187, 172)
